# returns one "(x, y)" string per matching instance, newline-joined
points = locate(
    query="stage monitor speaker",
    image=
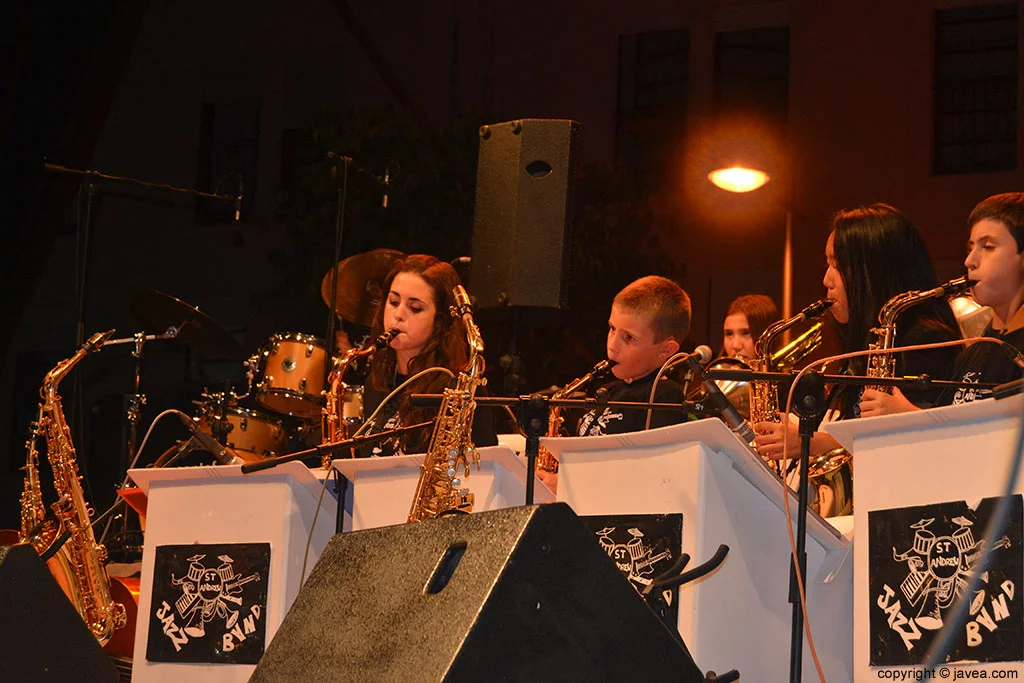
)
(522, 221)
(43, 638)
(520, 594)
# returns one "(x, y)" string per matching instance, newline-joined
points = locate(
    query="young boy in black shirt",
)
(649, 319)
(995, 261)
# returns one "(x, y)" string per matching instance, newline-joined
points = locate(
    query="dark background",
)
(844, 103)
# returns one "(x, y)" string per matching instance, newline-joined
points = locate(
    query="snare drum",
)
(292, 367)
(248, 431)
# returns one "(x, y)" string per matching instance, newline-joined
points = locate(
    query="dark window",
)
(653, 80)
(752, 73)
(228, 146)
(975, 89)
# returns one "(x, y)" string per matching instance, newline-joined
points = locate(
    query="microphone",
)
(222, 454)
(461, 261)
(1012, 353)
(720, 401)
(387, 183)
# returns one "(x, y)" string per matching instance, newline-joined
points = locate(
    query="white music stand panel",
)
(944, 454)
(382, 488)
(739, 616)
(219, 504)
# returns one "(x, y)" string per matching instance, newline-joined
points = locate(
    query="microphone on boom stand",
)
(719, 401)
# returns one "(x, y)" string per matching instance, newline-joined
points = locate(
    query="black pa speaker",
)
(522, 220)
(521, 594)
(43, 638)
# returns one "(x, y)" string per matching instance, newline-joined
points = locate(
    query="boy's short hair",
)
(665, 304)
(1008, 208)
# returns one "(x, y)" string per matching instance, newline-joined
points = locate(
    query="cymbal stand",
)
(339, 230)
(133, 403)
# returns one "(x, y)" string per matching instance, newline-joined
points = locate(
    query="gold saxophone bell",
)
(831, 474)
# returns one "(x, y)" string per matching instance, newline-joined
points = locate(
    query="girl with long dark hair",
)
(419, 296)
(874, 253)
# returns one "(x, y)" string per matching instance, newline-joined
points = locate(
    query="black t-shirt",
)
(620, 421)
(936, 363)
(389, 418)
(984, 362)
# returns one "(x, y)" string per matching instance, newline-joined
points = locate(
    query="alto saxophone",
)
(884, 364)
(451, 448)
(35, 527)
(88, 586)
(830, 469)
(333, 426)
(764, 397)
(545, 460)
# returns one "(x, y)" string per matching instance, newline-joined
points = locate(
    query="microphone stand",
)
(327, 448)
(809, 402)
(323, 449)
(339, 229)
(534, 411)
(809, 405)
(907, 382)
(90, 183)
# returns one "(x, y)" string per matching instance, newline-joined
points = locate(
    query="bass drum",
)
(125, 591)
(738, 392)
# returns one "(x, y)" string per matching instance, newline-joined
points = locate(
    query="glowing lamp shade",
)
(738, 179)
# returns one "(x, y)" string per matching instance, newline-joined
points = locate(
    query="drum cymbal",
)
(195, 328)
(360, 283)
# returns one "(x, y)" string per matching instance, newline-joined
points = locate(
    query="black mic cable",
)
(702, 355)
(726, 410)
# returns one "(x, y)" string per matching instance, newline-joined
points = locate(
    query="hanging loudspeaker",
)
(522, 221)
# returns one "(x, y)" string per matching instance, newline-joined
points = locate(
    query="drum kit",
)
(286, 377)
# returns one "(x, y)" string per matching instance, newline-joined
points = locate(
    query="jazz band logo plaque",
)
(209, 603)
(919, 563)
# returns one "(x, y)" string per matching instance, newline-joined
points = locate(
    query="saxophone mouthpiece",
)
(603, 367)
(463, 305)
(958, 286)
(817, 308)
(96, 341)
(385, 339)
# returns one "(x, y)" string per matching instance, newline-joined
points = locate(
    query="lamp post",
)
(740, 179)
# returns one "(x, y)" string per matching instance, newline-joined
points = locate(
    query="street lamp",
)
(740, 179)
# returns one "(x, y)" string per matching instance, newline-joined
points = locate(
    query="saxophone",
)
(439, 489)
(829, 470)
(764, 398)
(88, 586)
(334, 427)
(884, 364)
(35, 528)
(545, 460)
